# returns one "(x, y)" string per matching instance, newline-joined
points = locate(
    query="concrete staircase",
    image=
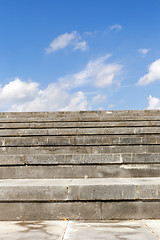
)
(80, 165)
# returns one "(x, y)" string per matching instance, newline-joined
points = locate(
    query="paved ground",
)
(72, 230)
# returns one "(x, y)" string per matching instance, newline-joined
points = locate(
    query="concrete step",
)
(121, 198)
(79, 131)
(70, 150)
(85, 115)
(79, 166)
(43, 123)
(79, 159)
(91, 140)
(80, 171)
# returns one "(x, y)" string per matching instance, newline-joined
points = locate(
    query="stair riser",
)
(80, 189)
(43, 123)
(78, 131)
(79, 141)
(79, 210)
(80, 150)
(79, 159)
(80, 171)
(84, 115)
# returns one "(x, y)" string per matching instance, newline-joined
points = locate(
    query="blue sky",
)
(79, 55)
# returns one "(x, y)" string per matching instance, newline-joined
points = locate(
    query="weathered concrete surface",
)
(77, 159)
(71, 230)
(44, 123)
(50, 211)
(80, 171)
(131, 210)
(92, 140)
(84, 115)
(78, 131)
(75, 150)
(89, 189)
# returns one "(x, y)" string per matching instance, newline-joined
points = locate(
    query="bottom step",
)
(79, 210)
(80, 199)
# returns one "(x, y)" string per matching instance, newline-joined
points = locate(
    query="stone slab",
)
(41, 230)
(130, 210)
(78, 131)
(114, 189)
(77, 159)
(128, 230)
(34, 189)
(87, 115)
(80, 171)
(89, 189)
(44, 123)
(78, 230)
(79, 210)
(16, 211)
(78, 150)
(92, 140)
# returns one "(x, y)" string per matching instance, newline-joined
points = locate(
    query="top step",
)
(85, 116)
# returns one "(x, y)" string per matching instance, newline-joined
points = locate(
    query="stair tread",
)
(94, 189)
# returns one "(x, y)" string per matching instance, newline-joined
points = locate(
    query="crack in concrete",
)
(63, 238)
(152, 231)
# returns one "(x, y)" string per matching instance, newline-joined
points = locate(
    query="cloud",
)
(65, 40)
(91, 33)
(81, 45)
(97, 72)
(154, 103)
(143, 51)
(18, 91)
(98, 99)
(64, 94)
(47, 100)
(78, 102)
(116, 27)
(152, 75)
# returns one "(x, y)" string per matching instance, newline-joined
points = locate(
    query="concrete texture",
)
(79, 171)
(78, 131)
(79, 210)
(72, 230)
(77, 159)
(83, 165)
(44, 123)
(92, 140)
(76, 150)
(50, 211)
(89, 189)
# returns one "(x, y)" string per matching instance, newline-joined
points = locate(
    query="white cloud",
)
(154, 103)
(98, 98)
(81, 45)
(116, 27)
(18, 91)
(51, 99)
(152, 75)
(66, 39)
(64, 94)
(78, 102)
(91, 33)
(98, 73)
(143, 51)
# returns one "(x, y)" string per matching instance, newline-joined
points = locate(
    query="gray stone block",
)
(34, 190)
(50, 211)
(130, 210)
(80, 171)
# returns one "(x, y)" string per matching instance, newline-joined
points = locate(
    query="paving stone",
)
(76, 230)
